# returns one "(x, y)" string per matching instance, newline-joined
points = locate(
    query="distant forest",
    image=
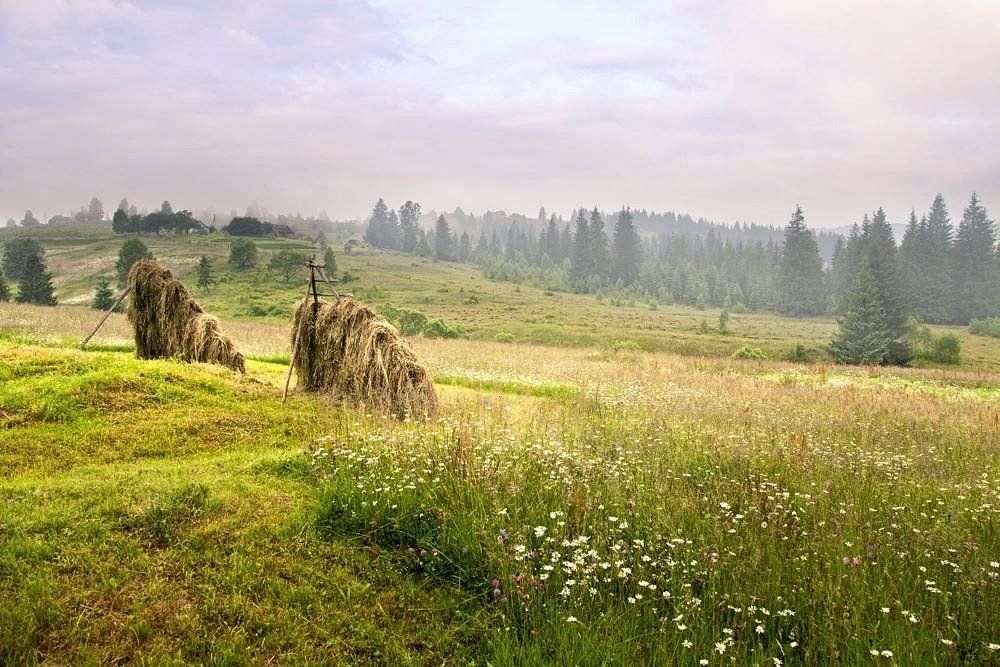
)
(940, 272)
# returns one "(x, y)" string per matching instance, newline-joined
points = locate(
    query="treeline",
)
(164, 220)
(716, 268)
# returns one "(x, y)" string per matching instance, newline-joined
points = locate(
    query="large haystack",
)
(349, 350)
(169, 323)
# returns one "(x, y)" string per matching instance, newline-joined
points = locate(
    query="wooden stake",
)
(310, 288)
(84, 342)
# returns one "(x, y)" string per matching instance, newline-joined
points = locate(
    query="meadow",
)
(576, 501)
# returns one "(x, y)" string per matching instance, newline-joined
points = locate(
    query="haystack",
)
(355, 354)
(169, 323)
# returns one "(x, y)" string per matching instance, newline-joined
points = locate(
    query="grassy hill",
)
(563, 505)
(576, 501)
(78, 254)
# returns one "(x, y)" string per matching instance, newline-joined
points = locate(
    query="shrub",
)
(985, 327)
(946, 349)
(438, 329)
(923, 344)
(504, 337)
(749, 352)
(411, 322)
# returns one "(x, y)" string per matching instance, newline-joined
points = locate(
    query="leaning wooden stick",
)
(295, 348)
(83, 343)
(322, 273)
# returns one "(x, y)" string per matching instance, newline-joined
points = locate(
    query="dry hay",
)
(349, 350)
(169, 323)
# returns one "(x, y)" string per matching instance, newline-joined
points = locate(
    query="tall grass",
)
(689, 514)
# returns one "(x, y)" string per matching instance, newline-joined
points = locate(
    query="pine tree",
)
(4, 289)
(409, 216)
(600, 252)
(104, 298)
(926, 264)
(329, 262)
(205, 276)
(377, 232)
(975, 267)
(879, 251)
(582, 262)
(442, 240)
(36, 283)
(131, 252)
(863, 337)
(801, 270)
(627, 252)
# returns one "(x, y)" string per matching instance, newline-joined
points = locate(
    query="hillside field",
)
(578, 500)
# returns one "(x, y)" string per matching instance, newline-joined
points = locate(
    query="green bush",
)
(438, 329)
(943, 349)
(504, 337)
(985, 327)
(749, 352)
(946, 349)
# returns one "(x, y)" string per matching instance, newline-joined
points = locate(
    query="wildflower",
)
(777, 662)
(703, 662)
(720, 647)
(947, 642)
(572, 619)
(993, 647)
(886, 654)
(687, 643)
(540, 531)
(885, 610)
(759, 629)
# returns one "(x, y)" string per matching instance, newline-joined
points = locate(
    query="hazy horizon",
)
(734, 112)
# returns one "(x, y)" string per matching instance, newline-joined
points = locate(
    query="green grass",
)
(158, 512)
(161, 512)
(579, 500)
(78, 254)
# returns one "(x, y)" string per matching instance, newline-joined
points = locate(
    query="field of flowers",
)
(680, 511)
(569, 505)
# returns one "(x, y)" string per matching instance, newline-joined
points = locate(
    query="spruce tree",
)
(926, 264)
(581, 259)
(104, 298)
(879, 251)
(599, 247)
(863, 337)
(442, 240)
(801, 270)
(131, 252)
(36, 283)
(4, 289)
(627, 252)
(975, 265)
(377, 233)
(205, 276)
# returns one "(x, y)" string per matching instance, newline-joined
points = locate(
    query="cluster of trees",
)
(742, 267)
(248, 226)
(164, 220)
(24, 264)
(937, 274)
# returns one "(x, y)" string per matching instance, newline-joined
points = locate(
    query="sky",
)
(732, 111)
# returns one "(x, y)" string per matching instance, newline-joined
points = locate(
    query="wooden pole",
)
(322, 274)
(295, 346)
(84, 342)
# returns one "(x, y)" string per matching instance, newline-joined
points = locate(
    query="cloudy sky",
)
(727, 110)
